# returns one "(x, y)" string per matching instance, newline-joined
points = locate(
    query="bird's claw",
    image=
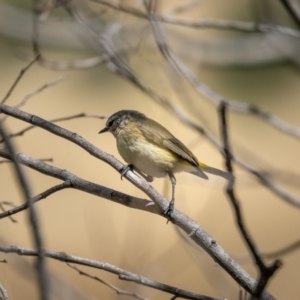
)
(125, 169)
(168, 212)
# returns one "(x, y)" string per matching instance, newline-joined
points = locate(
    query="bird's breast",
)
(151, 159)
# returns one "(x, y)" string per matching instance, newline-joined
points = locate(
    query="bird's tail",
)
(211, 170)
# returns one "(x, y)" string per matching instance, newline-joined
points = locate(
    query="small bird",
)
(152, 151)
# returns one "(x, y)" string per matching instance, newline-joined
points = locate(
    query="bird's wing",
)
(157, 134)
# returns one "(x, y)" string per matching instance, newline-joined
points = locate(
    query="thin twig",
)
(42, 88)
(266, 272)
(3, 209)
(76, 64)
(22, 72)
(206, 23)
(272, 254)
(67, 118)
(283, 251)
(9, 161)
(65, 257)
(184, 7)
(117, 290)
(72, 181)
(39, 90)
(34, 221)
(293, 8)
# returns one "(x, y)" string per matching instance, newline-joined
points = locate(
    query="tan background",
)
(95, 228)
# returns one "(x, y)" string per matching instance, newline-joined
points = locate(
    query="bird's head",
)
(121, 119)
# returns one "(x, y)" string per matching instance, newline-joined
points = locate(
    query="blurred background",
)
(259, 68)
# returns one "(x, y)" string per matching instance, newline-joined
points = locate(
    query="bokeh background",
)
(256, 68)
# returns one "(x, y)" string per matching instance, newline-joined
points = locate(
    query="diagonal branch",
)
(3, 292)
(293, 9)
(75, 182)
(67, 118)
(22, 72)
(206, 23)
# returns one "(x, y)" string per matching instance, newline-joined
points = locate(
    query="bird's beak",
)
(103, 130)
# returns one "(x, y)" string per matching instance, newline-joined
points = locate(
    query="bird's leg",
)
(146, 177)
(131, 167)
(170, 208)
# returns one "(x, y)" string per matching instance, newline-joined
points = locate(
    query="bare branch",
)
(178, 218)
(9, 161)
(184, 7)
(72, 181)
(206, 23)
(2, 208)
(22, 72)
(293, 8)
(52, 190)
(82, 64)
(65, 257)
(117, 290)
(67, 118)
(283, 251)
(266, 272)
(40, 89)
(33, 217)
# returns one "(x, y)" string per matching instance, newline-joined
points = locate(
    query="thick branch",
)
(72, 181)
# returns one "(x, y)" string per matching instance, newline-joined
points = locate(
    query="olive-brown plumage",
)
(150, 148)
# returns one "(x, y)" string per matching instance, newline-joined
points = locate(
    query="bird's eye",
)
(110, 123)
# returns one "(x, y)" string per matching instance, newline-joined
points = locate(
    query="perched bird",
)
(150, 149)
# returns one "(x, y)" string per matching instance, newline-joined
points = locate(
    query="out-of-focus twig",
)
(266, 272)
(75, 182)
(40, 89)
(3, 292)
(206, 23)
(22, 72)
(33, 217)
(293, 8)
(2, 203)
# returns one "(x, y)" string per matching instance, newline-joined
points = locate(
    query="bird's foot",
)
(147, 177)
(125, 169)
(168, 212)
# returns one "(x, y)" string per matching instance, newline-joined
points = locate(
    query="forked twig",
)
(22, 72)
(266, 272)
